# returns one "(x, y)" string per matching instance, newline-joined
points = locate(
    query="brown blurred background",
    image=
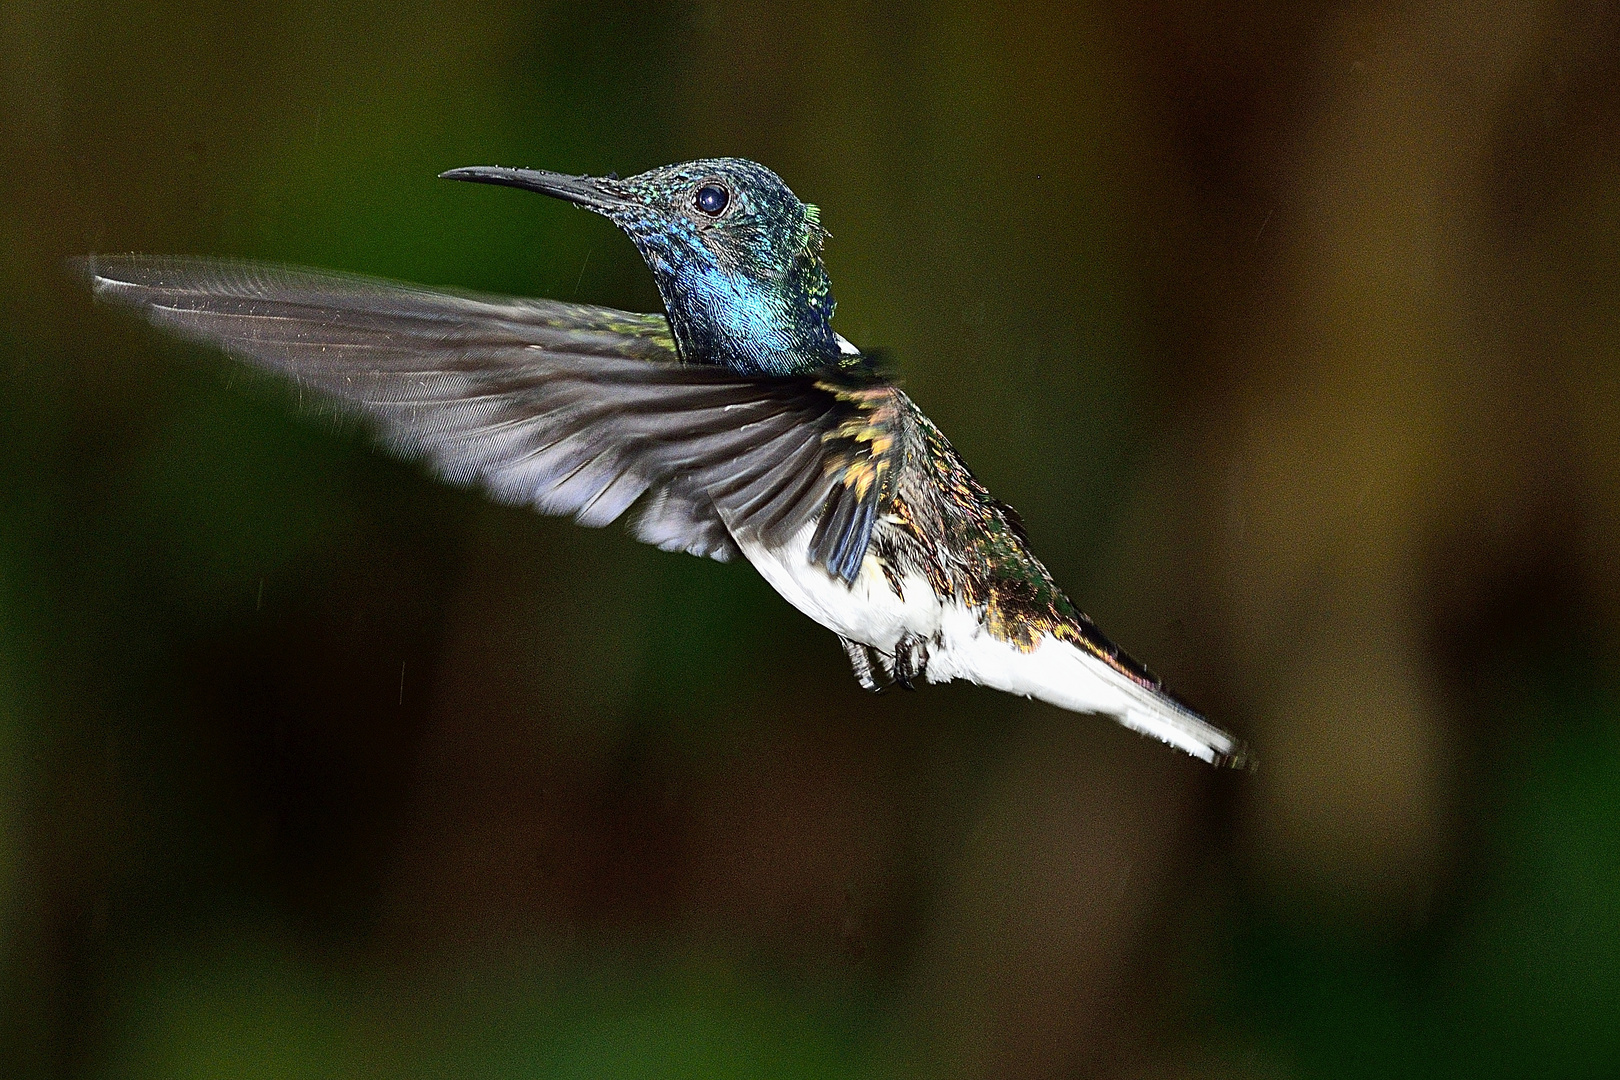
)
(1292, 330)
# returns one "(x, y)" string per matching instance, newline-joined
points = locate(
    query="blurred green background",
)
(1292, 329)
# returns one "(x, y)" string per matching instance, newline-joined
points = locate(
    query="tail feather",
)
(1056, 672)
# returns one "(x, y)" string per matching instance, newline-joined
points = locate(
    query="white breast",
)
(866, 610)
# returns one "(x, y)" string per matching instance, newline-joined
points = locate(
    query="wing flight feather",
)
(569, 408)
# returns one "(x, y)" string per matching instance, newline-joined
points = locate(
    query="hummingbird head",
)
(736, 256)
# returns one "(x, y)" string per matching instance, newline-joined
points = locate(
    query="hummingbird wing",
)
(569, 408)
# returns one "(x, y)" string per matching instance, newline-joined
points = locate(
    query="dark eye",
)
(712, 199)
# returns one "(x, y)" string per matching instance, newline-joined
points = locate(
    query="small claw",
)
(910, 660)
(860, 659)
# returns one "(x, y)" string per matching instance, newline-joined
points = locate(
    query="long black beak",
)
(587, 191)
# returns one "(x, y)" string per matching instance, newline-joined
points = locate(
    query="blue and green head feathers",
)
(736, 256)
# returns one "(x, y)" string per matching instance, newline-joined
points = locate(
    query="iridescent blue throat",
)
(751, 314)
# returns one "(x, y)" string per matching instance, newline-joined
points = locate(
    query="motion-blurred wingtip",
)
(82, 267)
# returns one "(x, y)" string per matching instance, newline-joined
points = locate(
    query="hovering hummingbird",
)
(738, 424)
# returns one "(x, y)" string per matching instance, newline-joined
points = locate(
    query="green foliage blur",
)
(1291, 330)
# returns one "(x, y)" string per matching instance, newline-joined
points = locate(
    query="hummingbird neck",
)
(753, 338)
(772, 323)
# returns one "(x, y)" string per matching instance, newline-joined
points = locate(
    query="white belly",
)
(866, 610)
(960, 647)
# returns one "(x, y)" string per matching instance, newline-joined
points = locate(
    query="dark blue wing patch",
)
(862, 455)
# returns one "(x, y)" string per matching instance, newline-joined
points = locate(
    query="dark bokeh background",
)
(1292, 329)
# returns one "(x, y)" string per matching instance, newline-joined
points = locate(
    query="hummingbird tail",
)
(1059, 673)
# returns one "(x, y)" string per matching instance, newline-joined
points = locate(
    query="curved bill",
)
(587, 191)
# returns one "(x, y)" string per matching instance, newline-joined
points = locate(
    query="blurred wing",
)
(569, 408)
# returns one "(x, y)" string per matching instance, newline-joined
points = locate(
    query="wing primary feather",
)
(851, 550)
(834, 521)
(569, 408)
(797, 506)
(756, 500)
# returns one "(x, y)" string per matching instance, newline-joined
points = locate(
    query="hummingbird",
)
(737, 424)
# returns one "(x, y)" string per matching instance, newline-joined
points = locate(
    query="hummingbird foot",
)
(908, 663)
(910, 660)
(860, 658)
